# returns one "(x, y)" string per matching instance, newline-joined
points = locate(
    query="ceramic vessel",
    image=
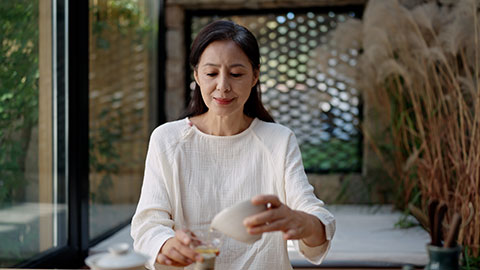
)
(119, 257)
(230, 221)
(441, 258)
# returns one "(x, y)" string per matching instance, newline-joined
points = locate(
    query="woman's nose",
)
(223, 83)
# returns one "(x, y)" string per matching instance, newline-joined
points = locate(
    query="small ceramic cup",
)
(441, 258)
(230, 221)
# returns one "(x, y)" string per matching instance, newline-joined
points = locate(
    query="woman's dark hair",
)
(227, 30)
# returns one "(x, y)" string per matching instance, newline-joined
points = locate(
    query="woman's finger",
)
(184, 236)
(189, 253)
(273, 200)
(162, 259)
(259, 219)
(269, 216)
(279, 225)
(175, 255)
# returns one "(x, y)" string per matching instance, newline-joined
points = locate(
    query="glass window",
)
(122, 79)
(33, 210)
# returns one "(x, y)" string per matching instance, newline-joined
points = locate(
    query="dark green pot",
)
(441, 258)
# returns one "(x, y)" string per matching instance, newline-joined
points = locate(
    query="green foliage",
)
(122, 16)
(19, 76)
(104, 157)
(406, 220)
(333, 155)
(469, 262)
(127, 18)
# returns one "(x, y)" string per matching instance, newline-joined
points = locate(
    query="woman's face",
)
(226, 77)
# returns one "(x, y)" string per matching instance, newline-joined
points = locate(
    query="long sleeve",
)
(300, 196)
(152, 223)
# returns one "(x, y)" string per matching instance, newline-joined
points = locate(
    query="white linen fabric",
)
(190, 176)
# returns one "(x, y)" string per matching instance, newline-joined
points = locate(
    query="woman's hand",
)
(279, 217)
(177, 252)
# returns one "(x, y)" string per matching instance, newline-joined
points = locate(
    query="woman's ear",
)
(195, 75)
(256, 74)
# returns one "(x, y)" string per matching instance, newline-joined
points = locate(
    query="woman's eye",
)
(236, 75)
(211, 74)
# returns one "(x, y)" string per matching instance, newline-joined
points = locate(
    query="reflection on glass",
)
(32, 206)
(122, 80)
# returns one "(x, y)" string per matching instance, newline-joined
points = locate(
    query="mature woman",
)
(228, 149)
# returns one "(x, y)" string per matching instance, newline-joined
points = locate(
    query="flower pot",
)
(441, 258)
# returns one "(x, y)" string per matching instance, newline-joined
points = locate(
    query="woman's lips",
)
(223, 101)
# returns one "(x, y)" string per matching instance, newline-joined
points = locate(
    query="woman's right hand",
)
(177, 251)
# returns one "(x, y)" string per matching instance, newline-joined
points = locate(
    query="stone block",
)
(341, 188)
(180, 2)
(175, 76)
(326, 187)
(174, 103)
(175, 45)
(174, 17)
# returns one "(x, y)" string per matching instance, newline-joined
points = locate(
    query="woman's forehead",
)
(224, 52)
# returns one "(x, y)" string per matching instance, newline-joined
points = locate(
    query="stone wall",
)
(175, 61)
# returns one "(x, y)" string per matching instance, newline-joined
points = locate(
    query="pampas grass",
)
(420, 70)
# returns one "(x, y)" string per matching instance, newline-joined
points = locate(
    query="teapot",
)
(230, 221)
(118, 257)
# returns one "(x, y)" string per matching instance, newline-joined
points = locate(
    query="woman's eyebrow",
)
(232, 65)
(237, 65)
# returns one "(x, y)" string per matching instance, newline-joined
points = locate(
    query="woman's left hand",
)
(279, 217)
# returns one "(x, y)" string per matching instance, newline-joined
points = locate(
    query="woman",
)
(228, 149)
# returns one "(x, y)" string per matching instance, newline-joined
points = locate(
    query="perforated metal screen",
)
(302, 87)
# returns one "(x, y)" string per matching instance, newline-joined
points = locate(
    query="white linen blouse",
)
(190, 176)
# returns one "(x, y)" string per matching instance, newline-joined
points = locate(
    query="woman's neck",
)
(221, 125)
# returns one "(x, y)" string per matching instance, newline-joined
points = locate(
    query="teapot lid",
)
(118, 257)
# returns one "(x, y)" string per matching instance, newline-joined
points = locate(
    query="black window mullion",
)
(78, 113)
(162, 59)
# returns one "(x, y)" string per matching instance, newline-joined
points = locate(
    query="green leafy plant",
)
(112, 21)
(124, 17)
(18, 93)
(470, 262)
(104, 157)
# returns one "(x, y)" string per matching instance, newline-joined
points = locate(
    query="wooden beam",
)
(45, 147)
